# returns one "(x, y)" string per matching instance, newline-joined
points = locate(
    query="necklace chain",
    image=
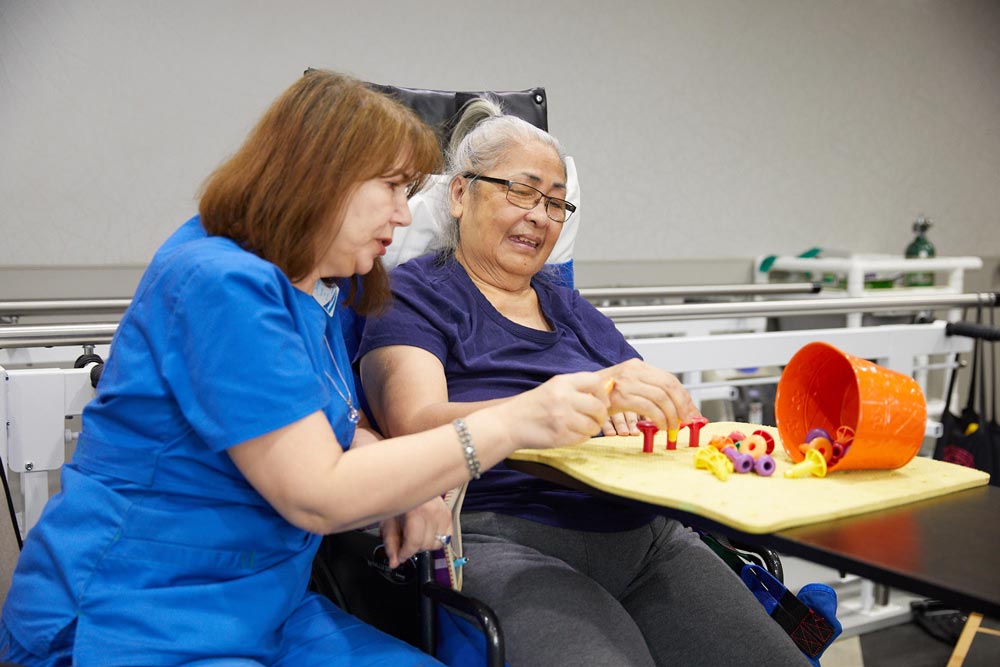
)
(353, 415)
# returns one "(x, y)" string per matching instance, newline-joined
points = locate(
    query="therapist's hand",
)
(565, 410)
(415, 531)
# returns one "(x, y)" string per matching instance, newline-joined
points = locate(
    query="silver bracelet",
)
(465, 439)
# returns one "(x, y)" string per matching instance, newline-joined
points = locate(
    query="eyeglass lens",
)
(527, 197)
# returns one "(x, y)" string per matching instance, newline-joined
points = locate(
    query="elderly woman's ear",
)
(456, 193)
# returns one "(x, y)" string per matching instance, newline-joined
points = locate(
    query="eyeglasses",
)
(527, 197)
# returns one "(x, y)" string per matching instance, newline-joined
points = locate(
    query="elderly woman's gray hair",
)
(482, 138)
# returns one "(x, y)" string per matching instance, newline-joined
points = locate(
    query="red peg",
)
(648, 429)
(695, 429)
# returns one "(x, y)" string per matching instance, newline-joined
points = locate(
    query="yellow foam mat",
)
(748, 502)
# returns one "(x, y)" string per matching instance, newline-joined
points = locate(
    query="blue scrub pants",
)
(318, 633)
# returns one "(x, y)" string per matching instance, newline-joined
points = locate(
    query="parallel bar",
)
(64, 306)
(792, 307)
(57, 334)
(71, 334)
(601, 293)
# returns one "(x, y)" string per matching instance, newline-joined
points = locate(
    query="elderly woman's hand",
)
(621, 423)
(417, 530)
(652, 392)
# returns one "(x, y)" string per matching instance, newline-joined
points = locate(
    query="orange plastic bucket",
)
(823, 387)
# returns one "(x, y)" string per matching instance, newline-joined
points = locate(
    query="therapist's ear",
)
(456, 194)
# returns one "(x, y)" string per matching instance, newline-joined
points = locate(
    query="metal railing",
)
(794, 307)
(47, 335)
(20, 308)
(680, 291)
(101, 333)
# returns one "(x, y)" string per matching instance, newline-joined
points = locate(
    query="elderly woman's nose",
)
(539, 212)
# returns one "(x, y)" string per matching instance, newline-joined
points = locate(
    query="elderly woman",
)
(225, 440)
(574, 579)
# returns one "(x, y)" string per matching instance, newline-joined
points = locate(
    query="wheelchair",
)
(349, 569)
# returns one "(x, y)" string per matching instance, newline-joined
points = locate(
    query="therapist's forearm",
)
(431, 416)
(368, 484)
(303, 473)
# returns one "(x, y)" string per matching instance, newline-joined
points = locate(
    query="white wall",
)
(703, 129)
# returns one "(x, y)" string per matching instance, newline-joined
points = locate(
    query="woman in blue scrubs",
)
(225, 438)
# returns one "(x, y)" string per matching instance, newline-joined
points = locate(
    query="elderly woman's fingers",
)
(621, 423)
(659, 410)
(650, 391)
(631, 422)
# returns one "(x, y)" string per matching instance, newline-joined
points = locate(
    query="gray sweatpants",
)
(655, 595)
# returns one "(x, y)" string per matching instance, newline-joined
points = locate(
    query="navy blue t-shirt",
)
(485, 356)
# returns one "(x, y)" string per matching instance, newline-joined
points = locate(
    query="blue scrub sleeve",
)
(234, 360)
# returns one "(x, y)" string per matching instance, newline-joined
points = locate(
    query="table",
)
(947, 548)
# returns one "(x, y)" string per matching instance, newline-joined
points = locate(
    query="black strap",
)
(810, 631)
(993, 360)
(954, 373)
(976, 368)
(10, 505)
(981, 353)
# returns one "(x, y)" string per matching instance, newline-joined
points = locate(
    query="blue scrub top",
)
(157, 546)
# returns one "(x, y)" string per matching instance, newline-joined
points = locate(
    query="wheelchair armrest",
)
(349, 571)
(478, 611)
(769, 557)
(737, 553)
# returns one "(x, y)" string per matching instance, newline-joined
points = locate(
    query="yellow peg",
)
(715, 461)
(814, 465)
(672, 438)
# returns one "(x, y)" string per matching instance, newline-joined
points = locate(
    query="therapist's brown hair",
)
(297, 169)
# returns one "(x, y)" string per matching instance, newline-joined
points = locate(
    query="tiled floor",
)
(907, 645)
(844, 653)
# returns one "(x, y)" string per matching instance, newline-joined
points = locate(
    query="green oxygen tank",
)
(920, 248)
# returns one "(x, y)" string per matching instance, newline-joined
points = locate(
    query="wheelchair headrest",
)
(439, 108)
